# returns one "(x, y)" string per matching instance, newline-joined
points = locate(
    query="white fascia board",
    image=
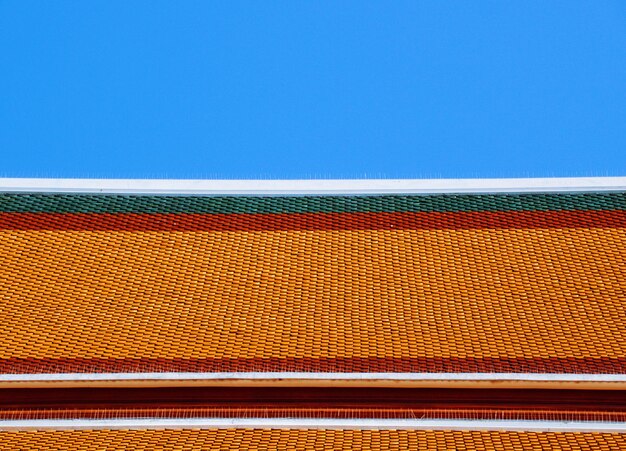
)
(315, 423)
(542, 377)
(311, 187)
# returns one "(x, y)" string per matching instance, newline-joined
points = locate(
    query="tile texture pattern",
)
(507, 283)
(276, 439)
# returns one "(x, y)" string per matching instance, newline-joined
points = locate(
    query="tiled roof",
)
(469, 283)
(441, 283)
(302, 439)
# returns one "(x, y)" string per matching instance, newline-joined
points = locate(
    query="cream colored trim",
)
(400, 380)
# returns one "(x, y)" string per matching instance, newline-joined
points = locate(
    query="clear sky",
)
(310, 89)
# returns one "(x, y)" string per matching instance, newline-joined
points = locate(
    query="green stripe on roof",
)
(79, 203)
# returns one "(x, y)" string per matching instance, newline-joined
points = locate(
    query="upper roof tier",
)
(501, 282)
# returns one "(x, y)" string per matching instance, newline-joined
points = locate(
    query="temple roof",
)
(440, 283)
(486, 314)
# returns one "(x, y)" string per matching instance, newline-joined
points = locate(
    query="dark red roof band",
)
(556, 365)
(314, 221)
(309, 402)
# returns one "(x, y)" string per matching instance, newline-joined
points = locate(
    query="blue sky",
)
(312, 89)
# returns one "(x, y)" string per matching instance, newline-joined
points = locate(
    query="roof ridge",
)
(312, 186)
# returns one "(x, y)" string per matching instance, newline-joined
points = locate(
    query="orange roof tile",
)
(277, 439)
(415, 292)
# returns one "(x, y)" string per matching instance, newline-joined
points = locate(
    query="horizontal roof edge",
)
(554, 377)
(315, 423)
(311, 187)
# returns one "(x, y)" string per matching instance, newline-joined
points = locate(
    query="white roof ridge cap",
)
(312, 186)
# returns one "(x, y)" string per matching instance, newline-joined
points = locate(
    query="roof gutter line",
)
(316, 423)
(551, 377)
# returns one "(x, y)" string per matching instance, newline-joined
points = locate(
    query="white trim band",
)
(311, 187)
(546, 377)
(322, 423)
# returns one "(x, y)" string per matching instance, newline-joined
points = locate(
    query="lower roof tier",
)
(89, 403)
(303, 439)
